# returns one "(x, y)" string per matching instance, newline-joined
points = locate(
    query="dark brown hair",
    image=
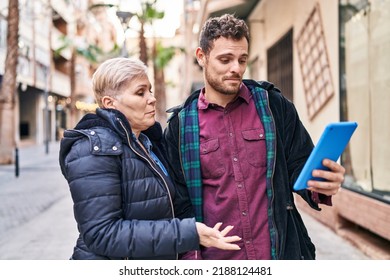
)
(227, 26)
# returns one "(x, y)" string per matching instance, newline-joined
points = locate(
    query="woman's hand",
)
(213, 237)
(334, 177)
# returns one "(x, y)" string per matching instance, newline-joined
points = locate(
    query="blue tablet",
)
(331, 145)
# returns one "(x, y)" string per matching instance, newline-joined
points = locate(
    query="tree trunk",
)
(143, 49)
(159, 90)
(8, 87)
(159, 86)
(72, 75)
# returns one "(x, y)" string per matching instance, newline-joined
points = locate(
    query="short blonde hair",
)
(114, 73)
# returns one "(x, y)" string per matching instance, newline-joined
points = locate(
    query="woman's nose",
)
(151, 98)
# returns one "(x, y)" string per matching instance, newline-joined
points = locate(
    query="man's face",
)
(225, 65)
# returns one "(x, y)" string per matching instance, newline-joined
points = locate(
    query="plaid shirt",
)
(190, 155)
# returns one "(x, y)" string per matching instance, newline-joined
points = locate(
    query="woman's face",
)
(137, 103)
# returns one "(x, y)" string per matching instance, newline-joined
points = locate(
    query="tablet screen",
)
(331, 145)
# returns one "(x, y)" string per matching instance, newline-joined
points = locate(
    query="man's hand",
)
(333, 178)
(213, 237)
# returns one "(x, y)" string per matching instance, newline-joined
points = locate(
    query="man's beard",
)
(220, 87)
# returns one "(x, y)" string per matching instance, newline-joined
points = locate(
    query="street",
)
(36, 218)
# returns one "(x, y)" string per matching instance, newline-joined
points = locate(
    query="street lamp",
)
(124, 17)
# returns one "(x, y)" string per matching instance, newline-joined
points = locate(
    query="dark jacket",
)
(292, 146)
(123, 202)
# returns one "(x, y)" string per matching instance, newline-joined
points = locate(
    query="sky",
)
(166, 27)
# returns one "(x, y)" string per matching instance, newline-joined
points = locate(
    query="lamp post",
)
(124, 17)
(47, 119)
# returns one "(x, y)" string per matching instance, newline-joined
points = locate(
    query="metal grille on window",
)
(314, 63)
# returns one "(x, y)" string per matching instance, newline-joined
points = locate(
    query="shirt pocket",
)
(211, 159)
(254, 141)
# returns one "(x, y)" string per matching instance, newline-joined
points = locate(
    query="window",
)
(364, 90)
(280, 65)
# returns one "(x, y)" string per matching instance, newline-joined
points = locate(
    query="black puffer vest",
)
(123, 202)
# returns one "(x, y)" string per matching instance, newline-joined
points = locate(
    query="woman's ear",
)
(108, 102)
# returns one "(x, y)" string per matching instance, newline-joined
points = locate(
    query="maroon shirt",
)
(233, 162)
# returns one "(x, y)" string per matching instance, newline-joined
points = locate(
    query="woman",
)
(124, 200)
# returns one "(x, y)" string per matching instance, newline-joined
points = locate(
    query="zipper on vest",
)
(150, 161)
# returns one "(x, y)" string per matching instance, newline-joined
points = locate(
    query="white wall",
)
(270, 20)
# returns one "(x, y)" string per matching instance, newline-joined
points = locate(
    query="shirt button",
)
(231, 134)
(92, 132)
(239, 186)
(244, 213)
(115, 148)
(235, 159)
(247, 241)
(96, 148)
(261, 135)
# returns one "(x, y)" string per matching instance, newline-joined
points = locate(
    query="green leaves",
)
(164, 55)
(91, 53)
(149, 12)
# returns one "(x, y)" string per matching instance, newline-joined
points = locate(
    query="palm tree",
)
(161, 58)
(8, 87)
(148, 15)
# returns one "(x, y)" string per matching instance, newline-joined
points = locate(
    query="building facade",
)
(53, 77)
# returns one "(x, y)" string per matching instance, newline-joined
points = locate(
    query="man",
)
(237, 147)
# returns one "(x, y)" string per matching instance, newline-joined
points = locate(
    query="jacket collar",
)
(111, 118)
